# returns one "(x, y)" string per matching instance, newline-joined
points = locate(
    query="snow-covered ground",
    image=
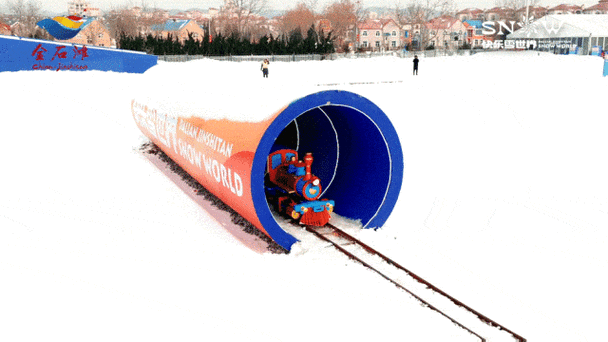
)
(504, 205)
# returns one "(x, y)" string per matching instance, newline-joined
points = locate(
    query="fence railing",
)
(247, 58)
(317, 57)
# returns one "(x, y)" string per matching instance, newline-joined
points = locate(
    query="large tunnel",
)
(357, 154)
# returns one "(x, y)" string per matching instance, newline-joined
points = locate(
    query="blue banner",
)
(32, 54)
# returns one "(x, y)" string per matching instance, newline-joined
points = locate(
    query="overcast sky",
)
(60, 6)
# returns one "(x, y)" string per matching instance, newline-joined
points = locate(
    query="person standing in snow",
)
(265, 68)
(415, 65)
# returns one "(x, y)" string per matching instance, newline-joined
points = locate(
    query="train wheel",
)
(292, 212)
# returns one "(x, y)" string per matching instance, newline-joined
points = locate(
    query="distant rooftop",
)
(171, 25)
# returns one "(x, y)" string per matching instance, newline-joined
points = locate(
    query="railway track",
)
(472, 321)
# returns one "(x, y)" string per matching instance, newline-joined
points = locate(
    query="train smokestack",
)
(308, 162)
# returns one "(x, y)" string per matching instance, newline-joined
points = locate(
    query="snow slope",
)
(504, 205)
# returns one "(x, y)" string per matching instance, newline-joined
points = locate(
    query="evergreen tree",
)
(263, 46)
(191, 46)
(294, 43)
(206, 44)
(217, 46)
(311, 41)
(326, 43)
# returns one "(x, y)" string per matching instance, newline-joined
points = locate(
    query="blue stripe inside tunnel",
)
(357, 156)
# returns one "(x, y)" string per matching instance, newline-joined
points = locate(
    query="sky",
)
(503, 205)
(57, 6)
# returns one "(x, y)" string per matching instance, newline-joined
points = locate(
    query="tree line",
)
(315, 42)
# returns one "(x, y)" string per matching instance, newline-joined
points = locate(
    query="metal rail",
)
(421, 280)
(357, 259)
(479, 315)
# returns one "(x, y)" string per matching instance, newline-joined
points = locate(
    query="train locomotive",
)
(295, 190)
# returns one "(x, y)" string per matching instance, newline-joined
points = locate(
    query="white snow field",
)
(504, 205)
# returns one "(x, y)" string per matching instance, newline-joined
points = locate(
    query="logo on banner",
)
(489, 27)
(64, 28)
(528, 28)
(59, 57)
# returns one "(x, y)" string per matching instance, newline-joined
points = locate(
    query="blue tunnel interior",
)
(350, 157)
(356, 153)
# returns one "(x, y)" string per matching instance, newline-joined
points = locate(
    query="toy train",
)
(295, 189)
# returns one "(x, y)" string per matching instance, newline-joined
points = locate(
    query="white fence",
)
(316, 57)
(248, 58)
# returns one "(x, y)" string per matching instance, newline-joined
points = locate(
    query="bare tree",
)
(238, 17)
(361, 13)
(342, 15)
(16, 8)
(122, 21)
(301, 17)
(400, 13)
(517, 10)
(310, 4)
(27, 14)
(418, 13)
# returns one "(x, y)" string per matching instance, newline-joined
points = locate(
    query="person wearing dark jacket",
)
(415, 65)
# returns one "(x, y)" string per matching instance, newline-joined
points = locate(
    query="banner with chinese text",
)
(31, 54)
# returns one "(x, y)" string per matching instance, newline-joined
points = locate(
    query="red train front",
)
(295, 189)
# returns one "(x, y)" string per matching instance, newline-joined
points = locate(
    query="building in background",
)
(445, 32)
(379, 35)
(83, 8)
(93, 33)
(474, 34)
(470, 14)
(498, 13)
(180, 29)
(565, 9)
(599, 8)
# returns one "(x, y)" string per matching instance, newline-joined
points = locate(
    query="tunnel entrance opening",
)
(351, 158)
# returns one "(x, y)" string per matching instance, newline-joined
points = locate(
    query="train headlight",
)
(304, 209)
(330, 207)
(316, 182)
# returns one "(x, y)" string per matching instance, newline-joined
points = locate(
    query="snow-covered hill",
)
(504, 205)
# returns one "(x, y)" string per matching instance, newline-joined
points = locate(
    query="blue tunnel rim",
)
(290, 113)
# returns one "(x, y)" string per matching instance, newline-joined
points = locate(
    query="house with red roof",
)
(599, 8)
(370, 34)
(379, 34)
(470, 14)
(565, 9)
(445, 32)
(499, 13)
